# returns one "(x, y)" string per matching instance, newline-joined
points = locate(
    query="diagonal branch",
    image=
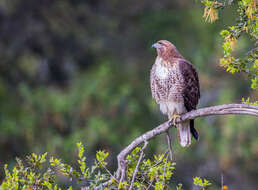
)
(228, 109)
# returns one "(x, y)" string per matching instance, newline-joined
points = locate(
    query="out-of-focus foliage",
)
(79, 71)
(247, 101)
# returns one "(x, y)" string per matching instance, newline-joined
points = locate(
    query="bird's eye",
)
(160, 43)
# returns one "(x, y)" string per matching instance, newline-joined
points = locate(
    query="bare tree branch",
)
(228, 109)
(150, 185)
(169, 140)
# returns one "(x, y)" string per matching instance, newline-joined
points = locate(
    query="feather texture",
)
(175, 87)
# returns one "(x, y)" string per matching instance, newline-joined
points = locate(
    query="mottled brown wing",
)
(191, 91)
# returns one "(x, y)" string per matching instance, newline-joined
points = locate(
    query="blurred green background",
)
(79, 71)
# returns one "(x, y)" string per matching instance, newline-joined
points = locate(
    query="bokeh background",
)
(79, 70)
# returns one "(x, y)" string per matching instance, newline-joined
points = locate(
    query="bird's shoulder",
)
(181, 62)
(186, 68)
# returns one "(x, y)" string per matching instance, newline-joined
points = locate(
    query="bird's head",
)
(166, 49)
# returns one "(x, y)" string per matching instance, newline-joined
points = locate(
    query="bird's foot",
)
(173, 120)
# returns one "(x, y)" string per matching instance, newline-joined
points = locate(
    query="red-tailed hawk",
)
(175, 87)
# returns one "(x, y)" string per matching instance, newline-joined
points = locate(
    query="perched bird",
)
(175, 87)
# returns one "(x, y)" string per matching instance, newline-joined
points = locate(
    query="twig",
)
(222, 181)
(150, 185)
(252, 50)
(169, 145)
(122, 175)
(108, 171)
(159, 161)
(138, 164)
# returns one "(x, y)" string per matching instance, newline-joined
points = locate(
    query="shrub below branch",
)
(39, 172)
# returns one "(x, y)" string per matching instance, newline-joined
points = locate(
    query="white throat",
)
(161, 70)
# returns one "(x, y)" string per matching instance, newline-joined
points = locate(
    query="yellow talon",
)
(173, 120)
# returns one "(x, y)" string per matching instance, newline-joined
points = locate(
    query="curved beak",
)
(156, 45)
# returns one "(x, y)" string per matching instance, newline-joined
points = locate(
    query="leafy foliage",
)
(247, 101)
(39, 172)
(156, 173)
(203, 183)
(247, 24)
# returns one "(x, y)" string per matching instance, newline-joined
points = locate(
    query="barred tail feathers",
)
(184, 133)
